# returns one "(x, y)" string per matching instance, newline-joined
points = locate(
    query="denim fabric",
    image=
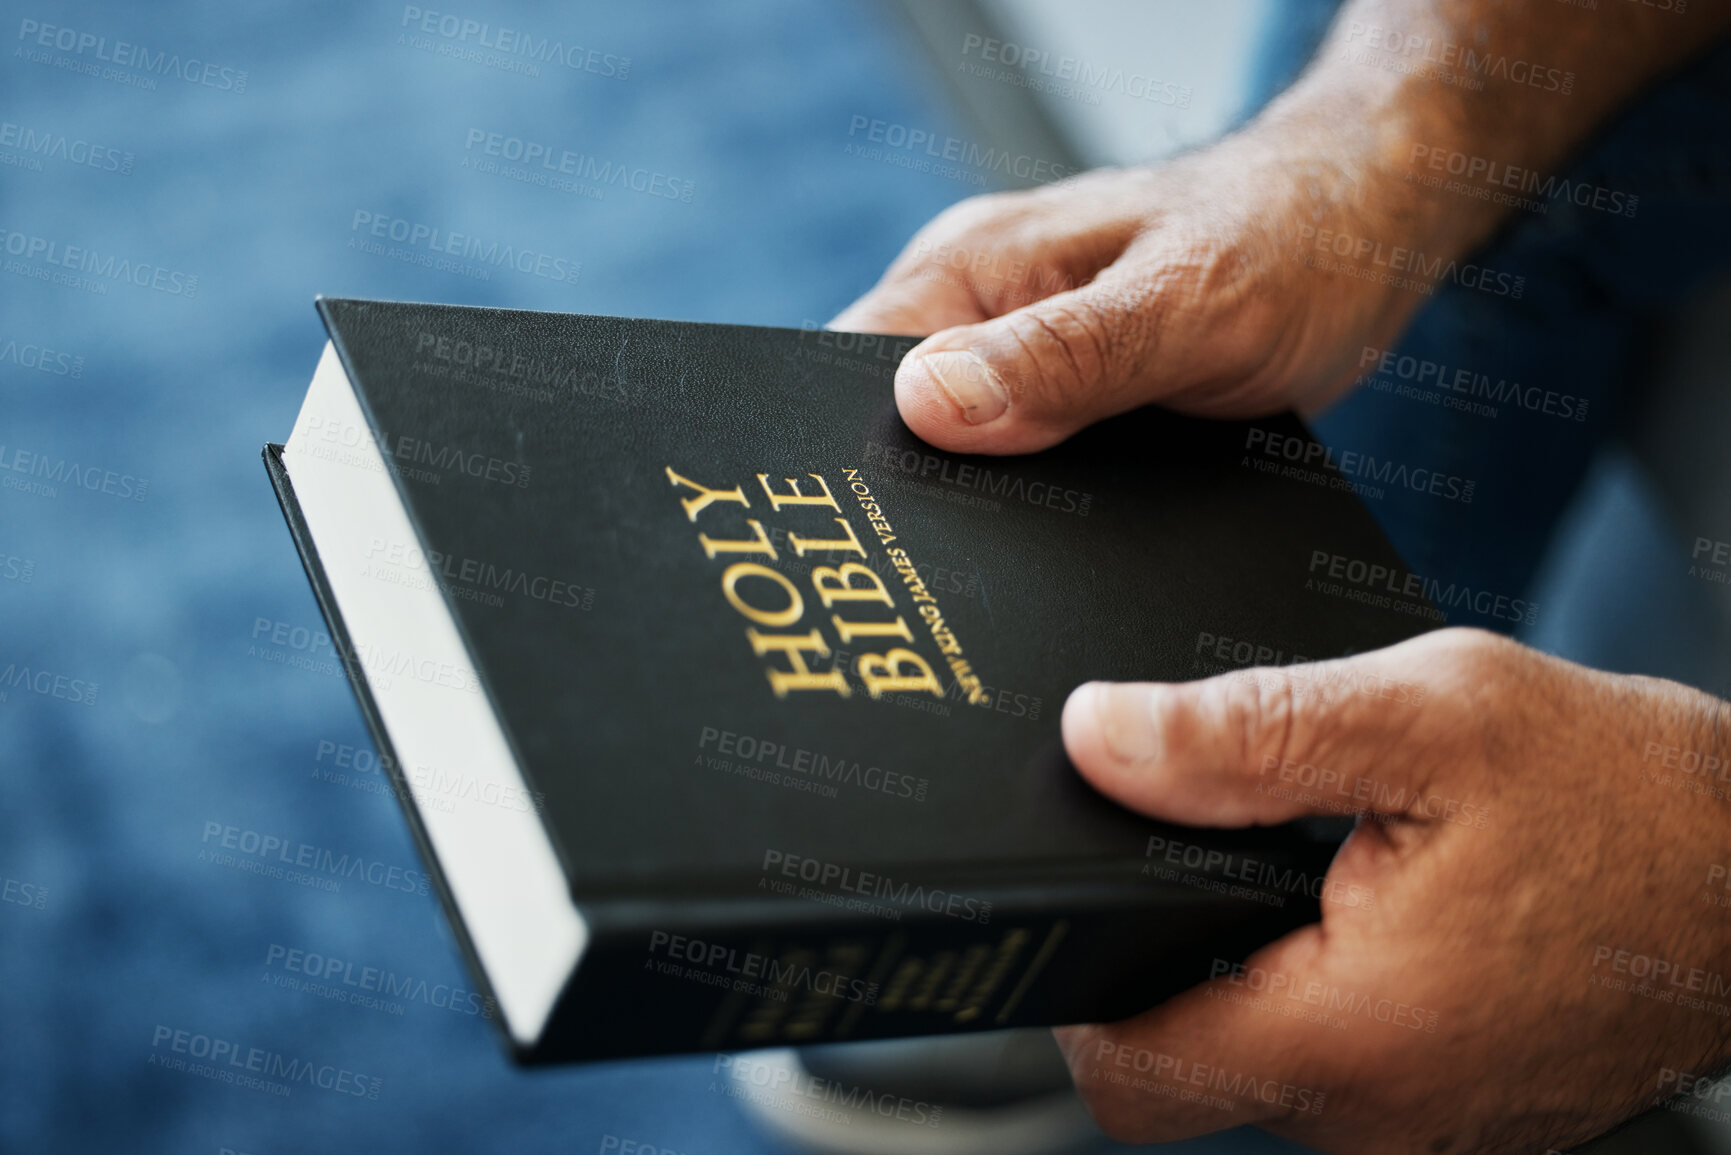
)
(1593, 283)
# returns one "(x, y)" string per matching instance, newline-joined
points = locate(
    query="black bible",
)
(725, 711)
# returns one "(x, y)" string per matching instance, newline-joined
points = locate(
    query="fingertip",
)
(1126, 722)
(1112, 733)
(870, 316)
(923, 406)
(907, 307)
(1080, 723)
(1138, 744)
(951, 398)
(974, 390)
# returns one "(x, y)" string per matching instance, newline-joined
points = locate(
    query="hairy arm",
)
(1246, 277)
(1398, 84)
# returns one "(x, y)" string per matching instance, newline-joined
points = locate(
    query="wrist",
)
(1357, 139)
(1687, 760)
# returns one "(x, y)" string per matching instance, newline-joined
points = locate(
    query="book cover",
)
(780, 684)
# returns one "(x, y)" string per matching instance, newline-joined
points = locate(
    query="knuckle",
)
(1270, 722)
(973, 218)
(1463, 656)
(1256, 709)
(1221, 268)
(1194, 296)
(1463, 640)
(1066, 350)
(979, 209)
(951, 244)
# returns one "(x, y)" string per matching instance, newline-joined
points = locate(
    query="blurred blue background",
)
(157, 604)
(165, 625)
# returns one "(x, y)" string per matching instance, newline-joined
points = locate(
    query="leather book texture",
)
(785, 681)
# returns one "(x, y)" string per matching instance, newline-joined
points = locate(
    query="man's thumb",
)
(1259, 746)
(1030, 378)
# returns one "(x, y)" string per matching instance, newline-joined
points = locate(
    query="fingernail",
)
(969, 382)
(1127, 722)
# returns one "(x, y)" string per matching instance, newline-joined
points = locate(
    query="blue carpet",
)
(164, 592)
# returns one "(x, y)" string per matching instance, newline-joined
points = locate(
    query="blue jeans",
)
(1594, 281)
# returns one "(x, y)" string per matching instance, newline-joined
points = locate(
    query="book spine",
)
(673, 978)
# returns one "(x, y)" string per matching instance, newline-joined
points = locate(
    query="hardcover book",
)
(725, 711)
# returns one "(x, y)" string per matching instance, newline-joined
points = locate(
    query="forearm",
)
(1251, 276)
(1399, 83)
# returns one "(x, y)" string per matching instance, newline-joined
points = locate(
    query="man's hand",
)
(1548, 950)
(1182, 285)
(1249, 277)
